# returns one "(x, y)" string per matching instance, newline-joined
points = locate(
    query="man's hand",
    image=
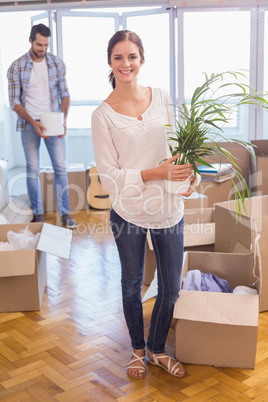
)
(65, 130)
(40, 129)
(37, 125)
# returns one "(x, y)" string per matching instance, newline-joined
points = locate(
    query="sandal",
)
(155, 360)
(136, 358)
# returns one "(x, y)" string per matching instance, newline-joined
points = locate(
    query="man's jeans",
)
(57, 151)
(168, 248)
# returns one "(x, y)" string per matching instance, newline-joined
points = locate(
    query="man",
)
(36, 85)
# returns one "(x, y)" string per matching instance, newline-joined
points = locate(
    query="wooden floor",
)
(77, 347)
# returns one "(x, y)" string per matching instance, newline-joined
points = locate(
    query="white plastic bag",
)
(23, 240)
(4, 246)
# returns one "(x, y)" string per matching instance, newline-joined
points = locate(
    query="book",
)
(217, 169)
(218, 179)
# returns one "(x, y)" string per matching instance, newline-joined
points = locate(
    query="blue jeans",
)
(57, 151)
(168, 247)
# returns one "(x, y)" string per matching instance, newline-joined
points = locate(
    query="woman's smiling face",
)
(125, 61)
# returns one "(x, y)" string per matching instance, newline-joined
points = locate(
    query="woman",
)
(133, 160)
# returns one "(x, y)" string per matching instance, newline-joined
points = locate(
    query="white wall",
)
(6, 141)
(2, 127)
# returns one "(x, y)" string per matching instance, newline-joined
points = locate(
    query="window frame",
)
(120, 22)
(255, 116)
(176, 12)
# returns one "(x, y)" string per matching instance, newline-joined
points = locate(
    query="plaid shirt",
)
(19, 74)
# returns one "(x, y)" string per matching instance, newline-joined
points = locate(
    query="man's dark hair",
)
(41, 29)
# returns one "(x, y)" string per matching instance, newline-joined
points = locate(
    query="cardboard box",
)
(218, 192)
(149, 262)
(259, 167)
(199, 229)
(218, 329)
(195, 201)
(230, 231)
(242, 157)
(76, 188)
(23, 272)
(199, 235)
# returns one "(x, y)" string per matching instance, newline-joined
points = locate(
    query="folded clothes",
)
(196, 280)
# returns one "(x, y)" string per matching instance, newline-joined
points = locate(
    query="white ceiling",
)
(51, 4)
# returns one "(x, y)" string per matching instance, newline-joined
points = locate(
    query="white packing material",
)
(23, 240)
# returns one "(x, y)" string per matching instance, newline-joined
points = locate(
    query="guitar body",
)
(97, 198)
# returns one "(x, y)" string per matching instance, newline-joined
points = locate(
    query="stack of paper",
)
(218, 172)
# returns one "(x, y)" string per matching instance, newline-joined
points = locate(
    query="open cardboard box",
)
(230, 231)
(23, 272)
(218, 329)
(259, 167)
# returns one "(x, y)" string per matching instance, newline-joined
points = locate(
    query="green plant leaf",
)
(199, 126)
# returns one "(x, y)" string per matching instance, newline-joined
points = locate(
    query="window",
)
(13, 45)
(84, 39)
(155, 34)
(84, 52)
(227, 49)
(83, 45)
(174, 50)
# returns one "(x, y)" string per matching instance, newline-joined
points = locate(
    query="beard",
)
(37, 54)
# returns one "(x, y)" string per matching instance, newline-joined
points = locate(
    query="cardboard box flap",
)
(261, 147)
(219, 308)
(240, 248)
(55, 240)
(255, 207)
(257, 266)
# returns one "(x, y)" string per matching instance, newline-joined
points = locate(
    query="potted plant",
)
(199, 126)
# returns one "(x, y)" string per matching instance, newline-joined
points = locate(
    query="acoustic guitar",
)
(97, 198)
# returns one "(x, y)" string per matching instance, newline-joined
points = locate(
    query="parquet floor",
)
(77, 346)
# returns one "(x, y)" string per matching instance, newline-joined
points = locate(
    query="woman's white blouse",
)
(123, 147)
